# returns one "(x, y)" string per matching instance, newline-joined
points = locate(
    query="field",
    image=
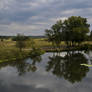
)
(7, 44)
(39, 43)
(9, 51)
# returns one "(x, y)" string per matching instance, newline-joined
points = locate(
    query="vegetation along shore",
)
(71, 34)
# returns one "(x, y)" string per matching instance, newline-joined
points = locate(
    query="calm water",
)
(48, 73)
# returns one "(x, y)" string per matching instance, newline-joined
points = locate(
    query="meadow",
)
(9, 51)
(38, 42)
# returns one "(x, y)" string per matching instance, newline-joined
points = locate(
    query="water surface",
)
(48, 73)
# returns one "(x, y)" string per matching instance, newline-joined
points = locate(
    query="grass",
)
(12, 54)
(9, 51)
(39, 43)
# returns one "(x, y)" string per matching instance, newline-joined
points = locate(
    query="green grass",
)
(9, 52)
(39, 42)
(8, 47)
(12, 54)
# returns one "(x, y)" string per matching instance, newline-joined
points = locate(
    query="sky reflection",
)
(40, 80)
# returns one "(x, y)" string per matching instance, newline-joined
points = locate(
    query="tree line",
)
(72, 31)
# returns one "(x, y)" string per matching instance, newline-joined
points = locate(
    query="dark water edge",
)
(48, 73)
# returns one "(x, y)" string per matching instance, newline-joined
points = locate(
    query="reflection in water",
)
(68, 66)
(23, 66)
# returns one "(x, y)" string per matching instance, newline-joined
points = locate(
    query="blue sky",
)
(32, 17)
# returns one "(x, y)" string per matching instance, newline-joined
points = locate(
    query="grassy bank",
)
(8, 50)
(12, 55)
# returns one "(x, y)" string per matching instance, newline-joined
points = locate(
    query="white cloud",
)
(38, 15)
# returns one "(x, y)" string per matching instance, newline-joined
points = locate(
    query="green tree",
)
(54, 34)
(20, 41)
(75, 29)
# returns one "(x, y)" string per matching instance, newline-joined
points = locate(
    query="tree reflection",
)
(23, 66)
(68, 66)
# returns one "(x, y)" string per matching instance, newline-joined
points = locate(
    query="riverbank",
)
(9, 51)
(12, 55)
(77, 48)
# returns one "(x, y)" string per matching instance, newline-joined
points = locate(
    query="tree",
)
(15, 38)
(54, 34)
(20, 41)
(75, 29)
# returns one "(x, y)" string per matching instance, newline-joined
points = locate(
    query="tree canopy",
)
(75, 29)
(72, 30)
(54, 34)
(20, 41)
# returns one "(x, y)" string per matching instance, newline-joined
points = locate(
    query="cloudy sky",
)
(32, 17)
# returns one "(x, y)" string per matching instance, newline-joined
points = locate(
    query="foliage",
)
(36, 52)
(72, 30)
(54, 34)
(15, 38)
(75, 29)
(12, 55)
(20, 41)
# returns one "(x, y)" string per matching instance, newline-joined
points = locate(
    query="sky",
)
(32, 17)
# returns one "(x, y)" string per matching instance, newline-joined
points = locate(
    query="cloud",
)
(32, 17)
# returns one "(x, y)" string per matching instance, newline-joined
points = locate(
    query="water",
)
(48, 73)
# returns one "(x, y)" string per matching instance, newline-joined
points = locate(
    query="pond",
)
(50, 72)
